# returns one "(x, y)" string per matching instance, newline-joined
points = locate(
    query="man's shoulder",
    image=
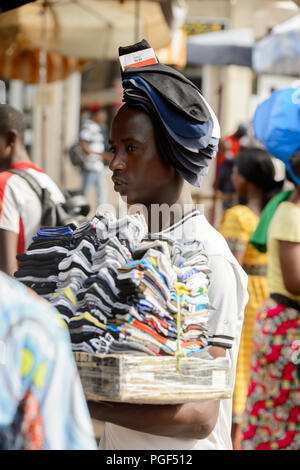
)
(4, 177)
(16, 170)
(195, 226)
(214, 243)
(9, 185)
(200, 228)
(90, 124)
(17, 184)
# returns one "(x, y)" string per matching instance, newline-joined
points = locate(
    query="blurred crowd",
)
(261, 223)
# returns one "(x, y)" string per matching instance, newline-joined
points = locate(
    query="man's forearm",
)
(190, 420)
(8, 252)
(85, 147)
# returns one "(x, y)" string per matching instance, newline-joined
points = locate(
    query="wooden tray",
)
(152, 380)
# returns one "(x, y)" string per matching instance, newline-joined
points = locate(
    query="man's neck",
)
(295, 196)
(20, 155)
(255, 200)
(163, 216)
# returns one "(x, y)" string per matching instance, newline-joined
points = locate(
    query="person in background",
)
(248, 140)
(20, 207)
(42, 405)
(92, 139)
(228, 151)
(272, 416)
(254, 181)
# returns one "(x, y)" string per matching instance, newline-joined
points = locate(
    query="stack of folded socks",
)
(156, 285)
(38, 267)
(130, 304)
(95, 243)
(120, 291)
(74, 269)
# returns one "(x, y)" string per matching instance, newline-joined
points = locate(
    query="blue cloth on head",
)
(277, 125)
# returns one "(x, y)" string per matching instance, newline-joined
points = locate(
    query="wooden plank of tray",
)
(148, 379)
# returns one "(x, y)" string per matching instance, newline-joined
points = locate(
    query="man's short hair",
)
(11, 119)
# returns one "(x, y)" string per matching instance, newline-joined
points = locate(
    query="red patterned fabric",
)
(32, 425)
(272, 417)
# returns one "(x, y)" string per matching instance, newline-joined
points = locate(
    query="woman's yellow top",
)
(284, 226)
(237, 225)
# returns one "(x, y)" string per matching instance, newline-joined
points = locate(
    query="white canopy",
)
(279, 52)
(226, 47)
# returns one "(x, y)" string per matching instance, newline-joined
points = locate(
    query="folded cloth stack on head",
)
(186, 128)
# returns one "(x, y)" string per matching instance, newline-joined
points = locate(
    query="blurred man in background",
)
(92, 139)
(229, 148)
(20, 207)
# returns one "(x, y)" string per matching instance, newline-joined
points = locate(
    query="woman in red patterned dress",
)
(272, 418)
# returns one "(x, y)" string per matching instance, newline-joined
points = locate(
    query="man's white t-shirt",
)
(20, 207)
(228, 295)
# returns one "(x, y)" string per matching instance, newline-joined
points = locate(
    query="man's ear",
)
(10, 140)
(12, 137)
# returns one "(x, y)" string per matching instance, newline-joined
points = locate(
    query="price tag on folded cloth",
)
(138, 58)
(181, 290)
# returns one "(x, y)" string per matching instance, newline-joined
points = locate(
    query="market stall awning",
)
(279, 51)
(78, 31)
(86, 29)
(226, 47)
